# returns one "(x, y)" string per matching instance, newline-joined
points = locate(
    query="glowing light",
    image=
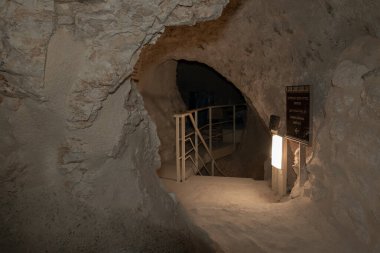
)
(276, 151)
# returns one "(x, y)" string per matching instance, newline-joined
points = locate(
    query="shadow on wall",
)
(157, 85)
(254, 150)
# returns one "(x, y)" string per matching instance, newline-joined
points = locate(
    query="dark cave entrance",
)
(201, 86)
(234, 122)
(173, 87)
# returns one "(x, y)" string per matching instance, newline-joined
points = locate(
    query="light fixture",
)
(276, 151)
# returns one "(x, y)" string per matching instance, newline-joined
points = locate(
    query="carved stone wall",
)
(262, 46)
(78, 150)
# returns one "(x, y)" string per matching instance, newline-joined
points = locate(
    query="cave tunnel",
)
(201, 86)
(102, 101)
(240, 140)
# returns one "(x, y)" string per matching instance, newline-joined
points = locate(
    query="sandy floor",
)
(242, 215)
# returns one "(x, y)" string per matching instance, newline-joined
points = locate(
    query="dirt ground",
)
(243, 215)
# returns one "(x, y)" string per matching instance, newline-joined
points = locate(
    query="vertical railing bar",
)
(210, 128)
(183, 133)
(210, 138)
(177, 149)
(181, 138)
(196, 141)
(234, 125)
(204, 144)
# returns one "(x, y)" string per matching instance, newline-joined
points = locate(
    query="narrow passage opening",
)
(227, 124)
(240, 142)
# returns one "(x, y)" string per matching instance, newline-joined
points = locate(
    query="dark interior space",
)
(201, 86)
(234, 123)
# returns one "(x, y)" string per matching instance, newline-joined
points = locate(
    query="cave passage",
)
(200, 86)
(174, 87)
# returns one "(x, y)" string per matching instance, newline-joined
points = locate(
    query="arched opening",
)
(173, 87)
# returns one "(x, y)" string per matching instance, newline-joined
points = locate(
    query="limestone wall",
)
(262, 46)
(78, 150)
(344, 172)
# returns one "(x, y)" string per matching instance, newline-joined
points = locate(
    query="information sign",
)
(298, 113)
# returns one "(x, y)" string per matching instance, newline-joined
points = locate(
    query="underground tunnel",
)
(191, 86)
(92, 93)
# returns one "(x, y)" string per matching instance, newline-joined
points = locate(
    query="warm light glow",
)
(276, 151)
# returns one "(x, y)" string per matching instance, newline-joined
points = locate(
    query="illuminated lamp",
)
(276, 151)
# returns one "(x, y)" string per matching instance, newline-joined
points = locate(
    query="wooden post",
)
(284, 169)
(183, 151)
(274, 179)
(279, 176)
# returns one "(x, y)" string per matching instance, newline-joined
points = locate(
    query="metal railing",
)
(195, 132)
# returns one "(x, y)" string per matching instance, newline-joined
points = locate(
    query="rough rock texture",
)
(157, 84)
(345, 171)
(262, 46)
(78, 150)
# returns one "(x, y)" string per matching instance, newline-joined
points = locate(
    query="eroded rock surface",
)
(349, 143)
(78, 150)
(262, 46)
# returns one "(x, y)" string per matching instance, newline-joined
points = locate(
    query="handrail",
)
(204, 126)
(222, 122)
(188, 133)
(206, 108)
(204, 165)
(204, 144)
(198, 170)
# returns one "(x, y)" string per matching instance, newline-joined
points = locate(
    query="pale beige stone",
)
(65, 75)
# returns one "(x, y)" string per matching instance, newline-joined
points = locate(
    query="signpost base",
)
(302, 165)
(279, 176)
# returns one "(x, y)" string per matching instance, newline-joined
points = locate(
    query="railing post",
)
(204, 143)
(210, 128)
(210, 139)
(234, 125)
(183, 151)
(177, 149)
(196, 141)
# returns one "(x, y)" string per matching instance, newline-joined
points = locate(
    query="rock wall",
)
(78, 150)
(262, 46)
(158, 87)
(345, 172)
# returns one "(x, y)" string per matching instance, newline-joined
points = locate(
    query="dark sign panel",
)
(298, 113)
